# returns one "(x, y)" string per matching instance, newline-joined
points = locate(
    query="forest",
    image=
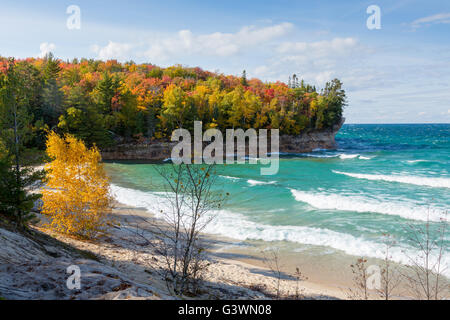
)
(104, 103)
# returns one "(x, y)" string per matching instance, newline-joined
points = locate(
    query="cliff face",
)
(308, 141)
(157, 151)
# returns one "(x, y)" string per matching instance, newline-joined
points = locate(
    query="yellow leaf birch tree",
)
(77, 199)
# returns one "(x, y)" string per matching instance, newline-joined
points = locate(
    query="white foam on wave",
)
(230, 178)
(226, 224)
(137, 198)
(362, 204)
(417, 161)
(416, 180)
(237, 226)
(256, 182)
(321, 155)
(343, 156)
(348, 156)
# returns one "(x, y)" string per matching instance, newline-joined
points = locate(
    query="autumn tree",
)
(77, 198)
(97, 101)
(175, 107)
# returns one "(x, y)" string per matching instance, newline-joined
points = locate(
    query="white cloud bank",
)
(316, 62)
(215, 44)
(113, 50)
(185, 42)
(336, 46)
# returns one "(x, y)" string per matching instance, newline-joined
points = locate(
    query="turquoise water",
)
(380, 179)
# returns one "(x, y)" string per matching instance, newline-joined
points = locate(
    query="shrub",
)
(77, 198)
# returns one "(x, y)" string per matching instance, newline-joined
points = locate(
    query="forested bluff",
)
(129, 110)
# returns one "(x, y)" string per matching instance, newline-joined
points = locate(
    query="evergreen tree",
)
(16, 177)
(106, 88)
(51, 67)
(84, 120)
(52, 97)
(244, 81)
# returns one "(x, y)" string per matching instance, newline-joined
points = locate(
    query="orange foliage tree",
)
(77, 198)
(103, 102)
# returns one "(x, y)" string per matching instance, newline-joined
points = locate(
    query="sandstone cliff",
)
(160, 150)
(308, 141)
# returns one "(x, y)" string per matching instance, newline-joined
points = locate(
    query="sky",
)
(397, 73)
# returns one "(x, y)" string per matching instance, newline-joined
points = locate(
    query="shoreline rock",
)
(161, 150)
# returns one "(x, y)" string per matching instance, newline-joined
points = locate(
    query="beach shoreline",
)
(237, 268)
(244, 267)
(326, 276)
(240, 263)
(232, 261)
(231, 275)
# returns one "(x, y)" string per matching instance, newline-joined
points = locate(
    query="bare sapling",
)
(389, 274)
(271, 259)
(360, 277)
(189, 207)
(299, 276)
(424, 275)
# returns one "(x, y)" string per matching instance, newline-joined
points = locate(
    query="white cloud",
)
(46, 48)
(158, 48)
(214, 44)
(260, 71)
(113, 50)
(323, 77)
(434, 19)
(317, 62)
(334, 46)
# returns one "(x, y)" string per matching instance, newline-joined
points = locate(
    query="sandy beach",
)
(235, 272)
(232, 274)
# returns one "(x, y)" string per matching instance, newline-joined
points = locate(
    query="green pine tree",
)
(16, 176)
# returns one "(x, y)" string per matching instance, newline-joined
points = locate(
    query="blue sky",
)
(397, 74)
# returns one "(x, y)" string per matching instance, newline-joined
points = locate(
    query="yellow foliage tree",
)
(77, 198)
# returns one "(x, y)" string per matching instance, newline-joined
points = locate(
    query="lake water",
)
(380, 179)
